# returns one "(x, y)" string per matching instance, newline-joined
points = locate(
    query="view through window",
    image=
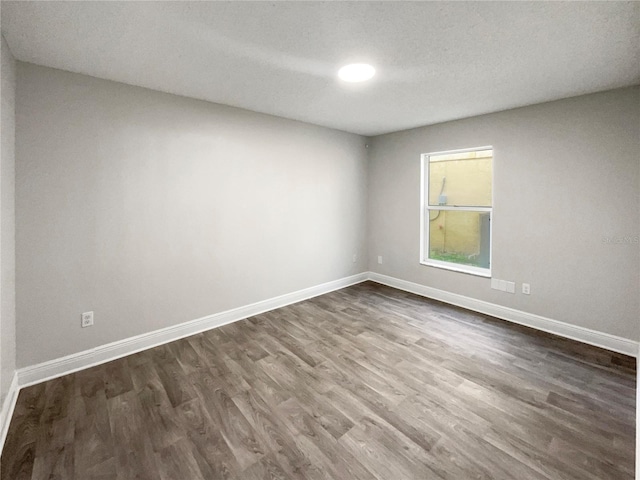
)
(456, 210)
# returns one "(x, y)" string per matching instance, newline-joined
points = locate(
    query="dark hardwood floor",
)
(363, 383)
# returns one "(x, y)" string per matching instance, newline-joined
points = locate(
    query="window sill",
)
(468, 269)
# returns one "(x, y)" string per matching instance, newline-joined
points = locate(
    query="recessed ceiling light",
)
(356, 72)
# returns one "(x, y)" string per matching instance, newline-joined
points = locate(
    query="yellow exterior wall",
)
(468, 183)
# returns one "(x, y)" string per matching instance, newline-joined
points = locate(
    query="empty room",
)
(319, 240)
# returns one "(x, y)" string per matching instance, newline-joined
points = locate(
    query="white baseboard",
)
(7, 407)
(111, 351)
(105, 353)
(574, 332)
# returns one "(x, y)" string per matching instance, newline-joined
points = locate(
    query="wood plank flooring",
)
(363, 383)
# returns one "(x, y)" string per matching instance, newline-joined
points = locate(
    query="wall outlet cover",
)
(87, 319)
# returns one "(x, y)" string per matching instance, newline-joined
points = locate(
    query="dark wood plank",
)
(210, 449)
(19, 452)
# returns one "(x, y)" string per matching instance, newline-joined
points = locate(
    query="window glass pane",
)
(460, 237)
(462, 179)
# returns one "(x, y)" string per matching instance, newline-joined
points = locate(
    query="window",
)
(456, 210)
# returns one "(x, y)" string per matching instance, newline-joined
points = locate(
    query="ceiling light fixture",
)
(356, 72)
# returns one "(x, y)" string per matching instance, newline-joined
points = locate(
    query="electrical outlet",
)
(526, 289)
(87, 319)
(355, 258)
(380, 259)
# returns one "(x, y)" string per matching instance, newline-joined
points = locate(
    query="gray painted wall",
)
(566, 175)
(7, 221)
(152, 209)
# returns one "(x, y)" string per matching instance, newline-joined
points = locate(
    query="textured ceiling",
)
(436, 61)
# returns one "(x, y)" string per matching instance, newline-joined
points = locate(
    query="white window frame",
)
(425, 209)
